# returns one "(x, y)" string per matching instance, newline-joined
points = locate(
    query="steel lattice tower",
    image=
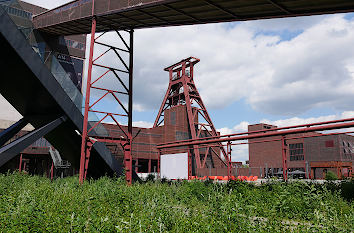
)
(182, 91)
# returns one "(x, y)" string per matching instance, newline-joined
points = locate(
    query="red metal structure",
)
(74, 17)
(283, 132)
(89, 139)
(182, 91)
(83, 16)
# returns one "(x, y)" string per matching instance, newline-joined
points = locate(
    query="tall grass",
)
(35, 204)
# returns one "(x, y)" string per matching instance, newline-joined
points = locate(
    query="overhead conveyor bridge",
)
(75, 17)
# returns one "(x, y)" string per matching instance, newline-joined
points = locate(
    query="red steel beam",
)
(261, 141)
(87, 101)
(265, 130)
(259, 135)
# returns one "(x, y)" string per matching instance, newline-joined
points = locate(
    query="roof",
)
(75, 17)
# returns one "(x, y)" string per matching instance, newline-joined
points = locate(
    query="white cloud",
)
(301, 121)
(239, 153)
(7, 111)
(243, 126)
(277, 77)
(289, 24)
(143, 124)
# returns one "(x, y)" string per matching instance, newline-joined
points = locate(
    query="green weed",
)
(35, 204)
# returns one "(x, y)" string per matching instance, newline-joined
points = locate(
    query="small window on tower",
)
(173, 118)
(329, 143)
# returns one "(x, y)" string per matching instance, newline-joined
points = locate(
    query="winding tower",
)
(182, 91)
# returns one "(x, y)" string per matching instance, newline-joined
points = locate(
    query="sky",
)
(280, 71)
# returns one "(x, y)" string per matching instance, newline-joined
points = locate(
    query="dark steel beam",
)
(154, 16)
(12, 149)
(279, 6)
(221, 8)
(10, 132)
(183, 13)
(113, 23)
(135, 20)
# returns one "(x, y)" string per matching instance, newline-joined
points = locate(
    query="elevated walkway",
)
(45, 98)
(75, 17)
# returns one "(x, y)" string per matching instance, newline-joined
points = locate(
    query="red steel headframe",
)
(89, 140)
(182, 91)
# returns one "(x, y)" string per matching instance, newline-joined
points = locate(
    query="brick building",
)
(144, 152)
(311, 156)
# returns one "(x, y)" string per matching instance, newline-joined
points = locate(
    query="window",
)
(18, 12)
(71, 43)
(329, 143)
(296, 151)
(173, 118)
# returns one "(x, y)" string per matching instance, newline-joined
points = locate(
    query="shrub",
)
(35, 204)
(150, 177)
(347, 190)
(331, 176)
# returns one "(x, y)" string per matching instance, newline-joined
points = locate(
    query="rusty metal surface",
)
(74, 17)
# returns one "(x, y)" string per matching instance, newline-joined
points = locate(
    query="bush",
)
(35, 204)
(347, 189)
(331, 176)
(150, 177)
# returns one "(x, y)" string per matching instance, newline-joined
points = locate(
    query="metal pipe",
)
(87, 104)
(267, 130)
(260, 135)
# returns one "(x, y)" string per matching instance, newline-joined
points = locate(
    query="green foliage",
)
(331, 176)
(35, 204)
(150, 177)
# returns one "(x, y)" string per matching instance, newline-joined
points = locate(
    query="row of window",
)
(18, 12)
(72, 44)
(347, 151)
(296, 152)
(296, 157)
(346, 144)
(296, 146)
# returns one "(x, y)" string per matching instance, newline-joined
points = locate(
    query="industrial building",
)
(309, 155)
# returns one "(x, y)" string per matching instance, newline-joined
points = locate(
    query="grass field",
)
(35, 204)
